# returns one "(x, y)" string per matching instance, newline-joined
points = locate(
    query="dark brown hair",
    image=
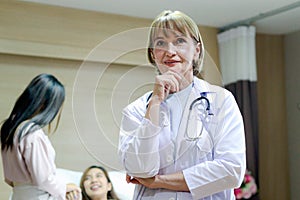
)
(36, 107)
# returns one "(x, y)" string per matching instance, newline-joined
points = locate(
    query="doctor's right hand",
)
(166, 84)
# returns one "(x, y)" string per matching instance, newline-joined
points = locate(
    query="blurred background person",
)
(28, 156)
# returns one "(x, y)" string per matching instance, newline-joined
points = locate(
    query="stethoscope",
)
(205, 113)
(195, 123)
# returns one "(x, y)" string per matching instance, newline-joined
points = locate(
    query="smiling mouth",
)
(171, 62)
(95, 187)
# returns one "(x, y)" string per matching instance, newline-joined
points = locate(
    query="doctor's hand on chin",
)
(165, 84)
(174, 182)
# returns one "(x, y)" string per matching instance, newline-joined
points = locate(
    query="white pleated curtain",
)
(238, 66)
(237, 54)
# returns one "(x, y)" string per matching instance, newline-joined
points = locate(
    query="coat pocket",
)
(205, 146)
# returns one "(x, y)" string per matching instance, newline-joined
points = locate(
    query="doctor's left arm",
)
(227, 168)
(175, 182)
(139, 143)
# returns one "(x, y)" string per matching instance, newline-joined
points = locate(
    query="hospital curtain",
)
(238, 66)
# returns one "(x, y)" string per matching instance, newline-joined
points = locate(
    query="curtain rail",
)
(249, 21)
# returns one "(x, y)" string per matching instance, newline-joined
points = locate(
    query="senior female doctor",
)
(185, 139)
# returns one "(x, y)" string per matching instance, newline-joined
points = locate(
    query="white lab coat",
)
(212, 165)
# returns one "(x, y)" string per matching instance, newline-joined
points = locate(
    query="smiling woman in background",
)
(96, 184)
(27, 154)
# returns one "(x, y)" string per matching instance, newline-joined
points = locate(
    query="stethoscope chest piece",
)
(199, 115)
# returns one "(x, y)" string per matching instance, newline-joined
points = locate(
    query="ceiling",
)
(214, 13)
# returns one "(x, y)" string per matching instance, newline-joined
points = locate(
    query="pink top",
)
(32, 162)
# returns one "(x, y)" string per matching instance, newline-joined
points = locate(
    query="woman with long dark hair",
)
(27, 154)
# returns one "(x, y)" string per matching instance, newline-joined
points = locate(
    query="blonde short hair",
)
(177, 21)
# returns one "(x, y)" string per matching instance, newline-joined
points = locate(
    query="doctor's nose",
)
(170, 50)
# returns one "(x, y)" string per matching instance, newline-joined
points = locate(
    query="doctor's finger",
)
(172, 83)
(166, 81)
(176, 75)
(128, 178)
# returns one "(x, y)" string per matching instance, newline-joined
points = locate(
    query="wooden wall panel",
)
(273, 149)
(57, 32)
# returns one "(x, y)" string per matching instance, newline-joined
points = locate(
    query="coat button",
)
(169, 158)
(166, 122)
(164, 119)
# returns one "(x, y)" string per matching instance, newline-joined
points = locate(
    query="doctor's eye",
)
(159, 43)
(180, 40)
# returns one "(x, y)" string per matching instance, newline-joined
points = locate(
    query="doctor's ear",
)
(198, 51)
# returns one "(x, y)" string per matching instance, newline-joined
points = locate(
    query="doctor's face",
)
(172, 50)
(96, 184)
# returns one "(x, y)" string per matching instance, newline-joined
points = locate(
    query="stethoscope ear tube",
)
(187, 131)
(207, 103)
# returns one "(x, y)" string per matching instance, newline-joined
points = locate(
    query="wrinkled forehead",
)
(158, 33)
(167, 27)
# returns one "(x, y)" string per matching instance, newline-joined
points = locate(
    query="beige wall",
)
(36, 38)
